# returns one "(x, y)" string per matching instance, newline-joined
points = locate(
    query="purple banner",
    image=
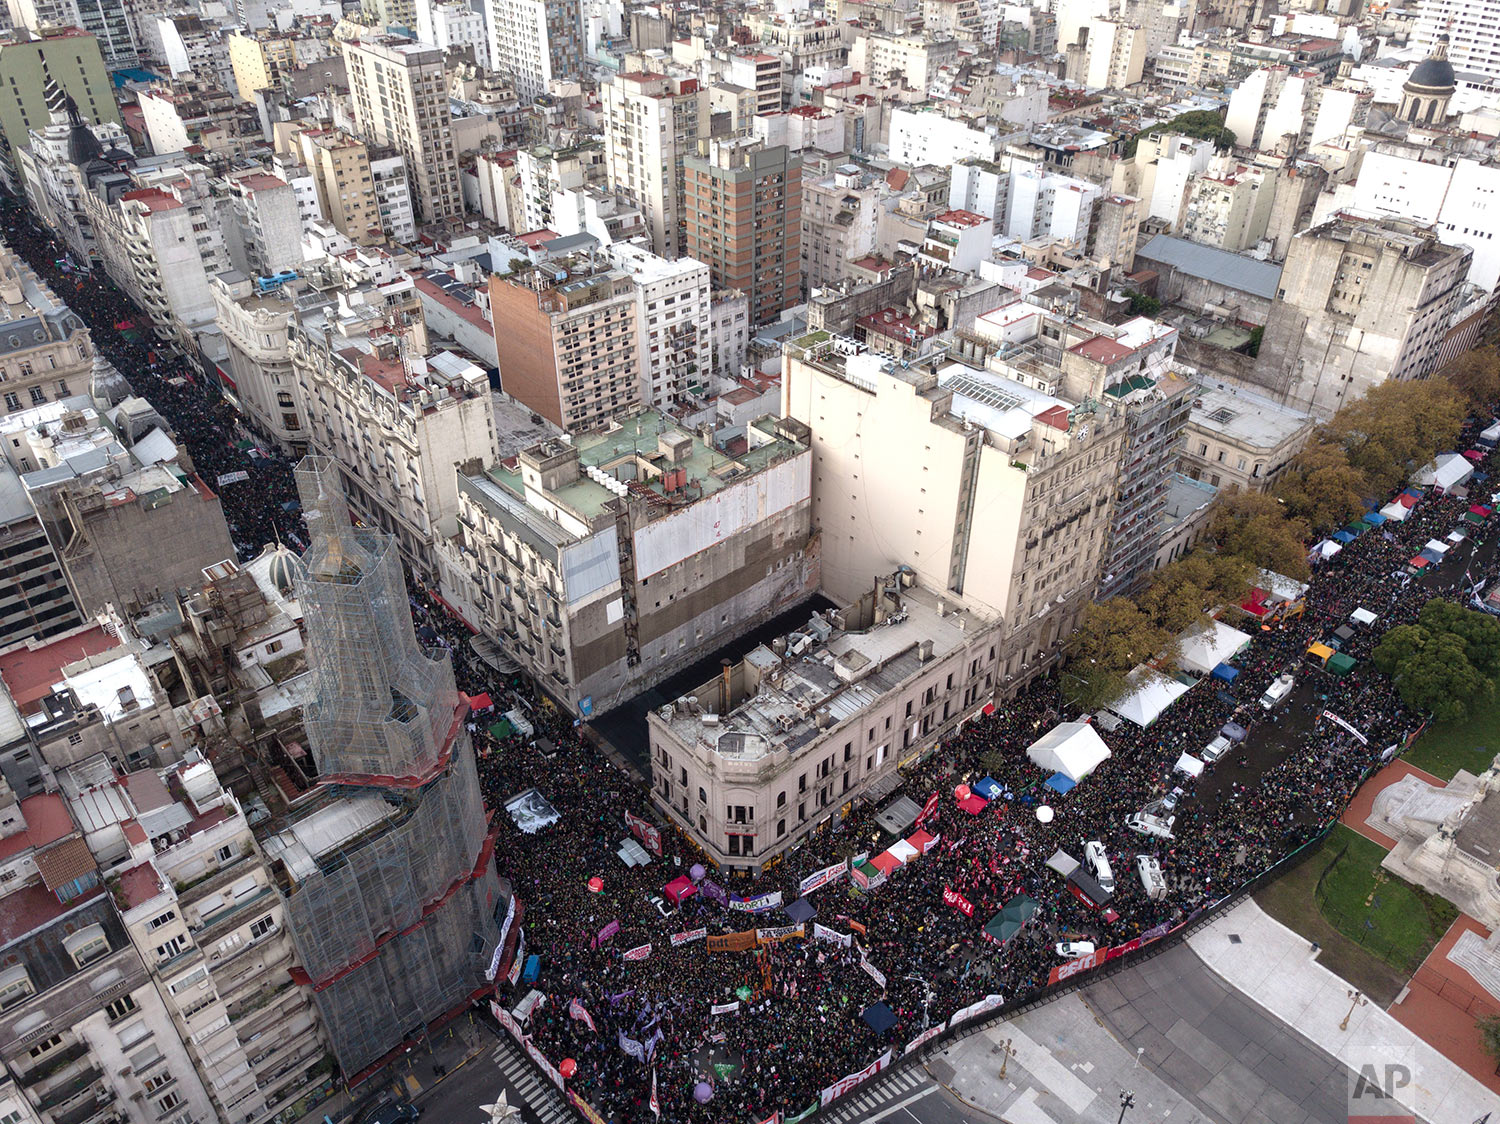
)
(713, 892)
(605, 933)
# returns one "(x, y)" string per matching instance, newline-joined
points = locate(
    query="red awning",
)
(989, 708)
(481, 702)
(679, 890)
(1405, 499)
(885, 862)
(974, 805)
(922, 840)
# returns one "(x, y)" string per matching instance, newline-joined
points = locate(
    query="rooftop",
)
(825, 671)
(619, 452)
(47, 821)
(32, 672)
(1246, 417)
(1234, 271)
(139, 884)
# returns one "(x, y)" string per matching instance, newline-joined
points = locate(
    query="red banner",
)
(958, 902)
(1073, 967)
(640, 952)
(649, 835)
(584, 1107)
(928, 809)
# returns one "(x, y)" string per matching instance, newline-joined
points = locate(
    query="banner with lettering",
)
(510, 916)
(724, 1008)
(875, 973)
(922, 1039)
(958, 902)
(844, 1084)
(823, 933)
(631, 1046)
(546, 1066)
(585, 1108)
(974, 1010)
(803, 1115)
(818, 879)
(605, 933)
(514, 975)
(648, 834)
(774, 1118)
(761, 903)
(733, 942)
(688, 936)
(779, 933)
(639, 952)
(502, 1016)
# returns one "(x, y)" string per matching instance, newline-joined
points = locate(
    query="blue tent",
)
(1374, 518)
(1225, 672)
(1234, 731)
(1226, 698)
(989, 788)
(1431, 555)
(801, 911)
(1343, 537)
(880, 1017)
(1060, 783)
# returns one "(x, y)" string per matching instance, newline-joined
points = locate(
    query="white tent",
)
(1073, 749)
(903, 850)
(1285, 588)
(1328, 548)
(1436, 547)
(1204, 649)
(1492, 434)
(1149, 692)
(1189, 764)
(1363, 616)
(1448, 470)
(1395, 511)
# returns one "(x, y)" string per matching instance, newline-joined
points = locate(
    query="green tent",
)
(1340, 663)
(501, 730)
(1010, 920)
(1356, 527)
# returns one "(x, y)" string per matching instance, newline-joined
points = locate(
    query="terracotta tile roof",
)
(63, 863)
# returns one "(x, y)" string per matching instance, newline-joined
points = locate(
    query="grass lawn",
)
(1446, 747)
(1325, 899)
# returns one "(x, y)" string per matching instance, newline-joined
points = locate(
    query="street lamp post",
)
(1127, 1100)
(1355, 1000)
(1007, 1052)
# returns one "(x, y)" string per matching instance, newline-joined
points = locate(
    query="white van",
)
(1279, 689)
(1147, 824)
(1072, 950)
(1216, 749)
(1098, 863)
(1151, 877)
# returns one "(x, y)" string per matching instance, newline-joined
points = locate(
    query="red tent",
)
(1481, 510)
(1406, 499)
(679, 890)
(989, 708)
(1255, 603)
(1418, 563)
(922, 841)
(481, 702)
(974, 805)
(885, 862)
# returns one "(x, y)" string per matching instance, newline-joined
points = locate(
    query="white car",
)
(1279, 689)
(1098, 864)
(1148, 824)
(1152, 881)
(1072, 950)
(1216, 749)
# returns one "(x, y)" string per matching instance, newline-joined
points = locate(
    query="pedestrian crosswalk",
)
(532, 1091)
(870, 1102)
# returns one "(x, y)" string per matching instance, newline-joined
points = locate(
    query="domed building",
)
(1425, 95)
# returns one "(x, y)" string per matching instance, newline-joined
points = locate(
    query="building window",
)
(15, 986)
(172, 948)
(780, 828)
(45, 1046)
(121, 1007)
(157, 922)
(87, 945)
(38, 396)
(258, 929)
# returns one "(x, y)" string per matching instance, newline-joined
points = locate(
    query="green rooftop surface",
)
(616, 453)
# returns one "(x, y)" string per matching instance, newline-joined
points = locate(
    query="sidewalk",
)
(1277, 969)
(1066, 1068)
(414, 1076)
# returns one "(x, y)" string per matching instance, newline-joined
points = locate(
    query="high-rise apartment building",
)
(386, 872)
(1471, 27)
(401, 99)
(535, 41)
(1360, 301)
(651, 123)
(340, 168)
(452, 25)
(107, 20)
(566, 333)
(672, 323)
(744, 219)
(67, 56)
(259, 61)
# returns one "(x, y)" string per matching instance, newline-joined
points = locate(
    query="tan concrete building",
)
(839, 213)
(45, 351)
(401, 99)
(606, 564)
(342, 177)
(259, 61)
(1238, 440)
(1360, 301)
(990, 491)
(802, 731)
(566, 334)
(651, 123)
(259, 376)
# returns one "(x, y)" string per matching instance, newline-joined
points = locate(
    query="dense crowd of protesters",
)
(799, 1023)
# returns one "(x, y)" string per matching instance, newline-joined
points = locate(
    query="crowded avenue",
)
(714, 1003)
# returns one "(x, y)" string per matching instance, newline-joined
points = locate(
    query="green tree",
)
(1321, 486)
(1181, 593)
(1087, 687)
(1257, 528)
(1398, 646)
(1116, 635)
(1476, 375)
(1142, 304)
(1447, 663)
(1204, 124)
(1480, 632)
(1397, 427)
(1257, 334)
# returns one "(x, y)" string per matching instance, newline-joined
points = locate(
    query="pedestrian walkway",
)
(535, 1094)
(883, 1098)
(1449, 992)
(1279, 970)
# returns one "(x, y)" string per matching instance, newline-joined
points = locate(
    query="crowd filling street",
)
(644, 1028)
